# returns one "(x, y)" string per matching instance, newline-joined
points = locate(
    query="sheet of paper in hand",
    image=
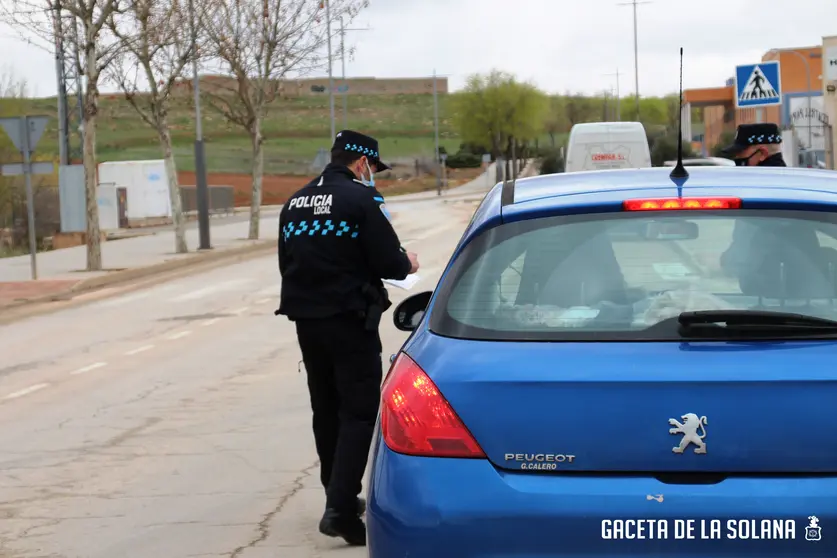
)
(405, 284)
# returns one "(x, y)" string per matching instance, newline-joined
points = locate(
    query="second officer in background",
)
(757, 145)
(336, 244)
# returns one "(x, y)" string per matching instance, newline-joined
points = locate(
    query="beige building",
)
(808, 80)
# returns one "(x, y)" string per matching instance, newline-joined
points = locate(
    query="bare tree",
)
(10, 86)
(97, 50)
(259, 43)
(155, 50)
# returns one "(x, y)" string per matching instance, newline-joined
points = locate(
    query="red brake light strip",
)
(666, 204)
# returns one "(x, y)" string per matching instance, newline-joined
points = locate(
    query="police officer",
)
(336, 244)
(757, 145)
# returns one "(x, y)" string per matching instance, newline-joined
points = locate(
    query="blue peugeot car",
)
(620, 363)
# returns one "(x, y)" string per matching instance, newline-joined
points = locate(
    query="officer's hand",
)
(414, 263)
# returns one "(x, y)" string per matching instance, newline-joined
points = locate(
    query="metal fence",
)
(221, 199)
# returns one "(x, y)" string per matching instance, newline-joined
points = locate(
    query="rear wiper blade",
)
(752, 320)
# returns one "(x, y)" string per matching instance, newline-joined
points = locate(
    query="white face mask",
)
(371, 181)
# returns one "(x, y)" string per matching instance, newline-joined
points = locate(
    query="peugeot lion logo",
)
(689, 428)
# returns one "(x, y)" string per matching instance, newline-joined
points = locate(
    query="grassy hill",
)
(295, 129)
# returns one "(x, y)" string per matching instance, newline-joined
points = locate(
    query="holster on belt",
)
(377, 302)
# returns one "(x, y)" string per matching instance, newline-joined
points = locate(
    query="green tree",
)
(496, 110)
(579, 108)
(653, 111)
(664, 149)
(672, 106)
(556, 120)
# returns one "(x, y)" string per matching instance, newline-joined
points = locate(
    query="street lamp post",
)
(810, 114)
(201, 187)
(436, 132)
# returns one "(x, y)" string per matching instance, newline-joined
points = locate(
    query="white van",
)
(607, 145)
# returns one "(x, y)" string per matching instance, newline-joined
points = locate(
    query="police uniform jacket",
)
(335, 238)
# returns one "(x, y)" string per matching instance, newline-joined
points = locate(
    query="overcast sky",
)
(560, 45)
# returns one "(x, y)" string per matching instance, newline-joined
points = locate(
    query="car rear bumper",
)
(468, 508)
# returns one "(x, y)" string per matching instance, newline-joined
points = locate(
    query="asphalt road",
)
(173, 421)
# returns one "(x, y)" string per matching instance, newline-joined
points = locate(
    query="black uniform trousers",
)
(343, 363)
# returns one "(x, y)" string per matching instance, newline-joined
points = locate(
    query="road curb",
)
(195, 259)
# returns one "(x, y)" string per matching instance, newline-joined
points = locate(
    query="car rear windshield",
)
(615, 276)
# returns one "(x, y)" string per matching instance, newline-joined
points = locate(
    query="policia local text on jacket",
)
(336, 244)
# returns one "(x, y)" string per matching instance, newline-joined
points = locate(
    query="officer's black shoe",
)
(349, 528)
(361, 507)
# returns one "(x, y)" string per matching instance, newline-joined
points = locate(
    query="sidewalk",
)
(62, 270)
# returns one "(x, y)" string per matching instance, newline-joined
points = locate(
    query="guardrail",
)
(221, 200)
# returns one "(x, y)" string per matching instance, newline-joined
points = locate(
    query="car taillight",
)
(416, 419)
(681, 203)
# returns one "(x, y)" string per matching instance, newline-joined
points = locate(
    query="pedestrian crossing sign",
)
(758, 85)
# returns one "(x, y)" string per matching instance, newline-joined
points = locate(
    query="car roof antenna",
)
(679, 171)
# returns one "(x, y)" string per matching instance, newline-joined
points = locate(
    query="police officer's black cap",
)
(355, 142)
(754, 134)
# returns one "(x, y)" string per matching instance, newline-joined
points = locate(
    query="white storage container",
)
(146, 185)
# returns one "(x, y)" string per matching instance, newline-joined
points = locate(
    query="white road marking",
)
(210, 322)
(178, 335)
(88, 368)
(240, 311)
(26, 391)
(139, 350)
(206, 291)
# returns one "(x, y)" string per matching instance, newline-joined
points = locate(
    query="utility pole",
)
(618, 97)
(436, 127)
(635, 3)
(330, 72)
(201, 187)
(345, 91)
(70, 90)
